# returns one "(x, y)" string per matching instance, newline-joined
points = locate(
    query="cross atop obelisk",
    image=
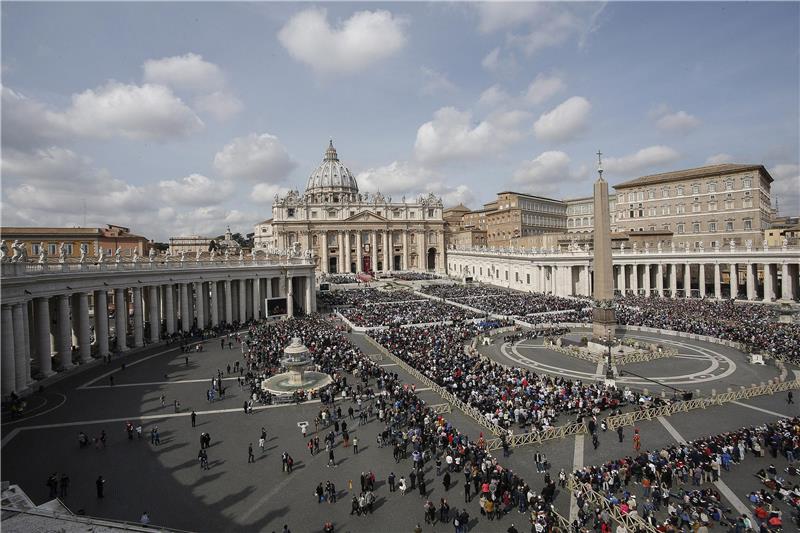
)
(604, 320)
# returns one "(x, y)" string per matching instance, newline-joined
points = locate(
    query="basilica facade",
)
(348, 231)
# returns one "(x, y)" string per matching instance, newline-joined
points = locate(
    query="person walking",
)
(355, 445)
(789, 398)
(619, 433)
(194, 419)
(331, 459)
(637, 440)
(99, 483)
(250, 457)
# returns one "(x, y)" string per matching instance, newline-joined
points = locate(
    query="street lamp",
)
(609, 370)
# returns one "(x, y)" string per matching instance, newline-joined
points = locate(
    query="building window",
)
(506, 275)
(748, 224)
(729, 226)
(69, 249)
(712, 187)
(712, 227)
(290, 212)
(665, 192)
(651, 212)
(651, 194)
(35, 249)
(747, 202)
(696, 227)
(680, 190)
(411, 214)
(665, 210)
(516, 277)
(712, 206)
(528, 278)
(695, 208)
(729, 185)
(680, 209)
(695, 189)
(313, 214)
(747, 183)
(430, 212)
(728, 204)
(680, 227)
(51, 249)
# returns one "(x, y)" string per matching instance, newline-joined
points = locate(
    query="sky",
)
(183, 118)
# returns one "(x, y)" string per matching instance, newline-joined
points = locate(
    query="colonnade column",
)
(323, 246)
(256, 298)
(155, 321)
(309, 282)
(751, 282)
(138, 319)
(769, 286)
(228, 302)
(169, 309)
(100, 324)
(186, 323)
(646, 279)
(701, 279)
(687, 280)
(82, 311)
(213, 303)
(786, 282)
(7, 361)
(200, 296)
(63, 333)
(121, 317)
(347, 257)
(717, 282)
(587, 287)
(635, 279)
(387, 253)
(20, 366)
(734, 281)
(621, 279)
(42, 318)
(289, 297)
(242, 300)
(660, 279)
(542, 279)
(673, 279)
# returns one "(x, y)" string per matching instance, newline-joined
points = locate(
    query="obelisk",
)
(603, 316)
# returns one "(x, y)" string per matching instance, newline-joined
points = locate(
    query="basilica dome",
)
(331, 176)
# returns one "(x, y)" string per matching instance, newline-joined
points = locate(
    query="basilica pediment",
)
(366, 216)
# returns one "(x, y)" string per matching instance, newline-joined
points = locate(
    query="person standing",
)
(619, 433)
(789, 398)
(355, 445)
(331, 459)
(250, 457)
(64, 485)
(637, 440)
(99, 485)
(194, 419)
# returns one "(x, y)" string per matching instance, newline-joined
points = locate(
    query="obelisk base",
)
(604, 324)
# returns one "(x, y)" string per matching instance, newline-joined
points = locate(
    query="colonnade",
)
(47, 328)
(773, 276)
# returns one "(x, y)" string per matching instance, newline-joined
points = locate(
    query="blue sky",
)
(182, 118)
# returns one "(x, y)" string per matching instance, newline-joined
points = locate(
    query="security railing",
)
(630, 522)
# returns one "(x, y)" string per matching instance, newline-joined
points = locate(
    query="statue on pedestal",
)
(135, 258)
(784, 244)
(84, 251)
(748, 244)
(198, 255)
(118, 255)
(42, 254)
(4, 252)
(101, 256)
(151, 255)
(765, 245)
(62, 253)
(183, 256)
(20, 252)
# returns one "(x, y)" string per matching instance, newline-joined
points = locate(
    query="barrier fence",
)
(632, 523)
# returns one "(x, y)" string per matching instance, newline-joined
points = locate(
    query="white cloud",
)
(436, 82)
(718, 159)
(493, 96)
(652, 156)
(189, 72)
(452, 135)
(786, 187)
(360, 41)
(48, 166)
(402, 178)
(564, 122)
(547, 173)
(195, 189)
(534, 26)
(25, 123)
(680, 122)
(254, 157)
(498, 61)
(264, 193)
(460, 194)
(220, 104)
(544, 87)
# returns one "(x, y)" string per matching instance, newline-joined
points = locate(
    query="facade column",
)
(673, 279)
(42, 318)
(769, 286)
(309, 286)
(242, 300)
(20, 380)
(186, 322)
(374, 250)
(289, 297)
(7, 361)
(228, 302)
(347, 253)
(635, 279)
(646, 279)
(213, 303)
(421, 258)
(621, 279)
(687, 280)
(323, 246)
(701, 279)
(359, 259)
(568, 281)
(406, 254)
(717, 282)
(734, 281)
(387, 253)
(155, 320)
(82, 312)
(542, 279)
(340, 246)
(121, 316)
(587, 282)
(100, 323)
(138, 319)
(169, 309)
(751, 282)
(64, 335)
(786, 283)
(660, 279)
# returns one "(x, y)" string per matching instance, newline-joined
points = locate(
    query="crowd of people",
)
(505, 396)
(414, 276)
(671, 488)
(340, 279)
(361, 297)
(402, 313)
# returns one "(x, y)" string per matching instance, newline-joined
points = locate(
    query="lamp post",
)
(609, 370)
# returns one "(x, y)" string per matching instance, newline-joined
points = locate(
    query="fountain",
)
(296, 376)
